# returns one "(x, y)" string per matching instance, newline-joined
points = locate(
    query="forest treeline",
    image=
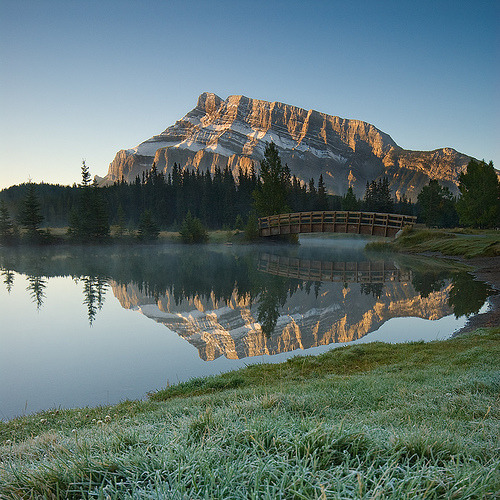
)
(190, 199)
(219, 200)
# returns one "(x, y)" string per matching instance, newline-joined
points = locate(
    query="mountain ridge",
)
(235, 132)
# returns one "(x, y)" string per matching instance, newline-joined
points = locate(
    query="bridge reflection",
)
(340, 272)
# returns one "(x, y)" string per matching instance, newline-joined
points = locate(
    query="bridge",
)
(339, 272)
(369, 223)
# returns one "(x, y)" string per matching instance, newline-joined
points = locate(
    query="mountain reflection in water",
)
(240, 302)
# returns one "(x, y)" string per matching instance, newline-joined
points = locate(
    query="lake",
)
(98, 325)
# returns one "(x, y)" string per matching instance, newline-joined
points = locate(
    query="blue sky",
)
(83, 79)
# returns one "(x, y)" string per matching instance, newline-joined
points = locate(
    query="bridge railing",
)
(381, 224)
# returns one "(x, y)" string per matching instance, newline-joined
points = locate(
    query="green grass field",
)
(416, 420)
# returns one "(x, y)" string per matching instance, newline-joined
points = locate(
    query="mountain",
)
(235, 132)
(231, 328)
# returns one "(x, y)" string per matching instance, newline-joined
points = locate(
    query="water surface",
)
(92, 326)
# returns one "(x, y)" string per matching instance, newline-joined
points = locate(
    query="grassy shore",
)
(60, 234)
(457, 242)
(364, 421)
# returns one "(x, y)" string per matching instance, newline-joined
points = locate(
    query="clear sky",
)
(84, 79)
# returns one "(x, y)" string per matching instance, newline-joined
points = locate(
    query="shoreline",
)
(397, 420)
(485, 269)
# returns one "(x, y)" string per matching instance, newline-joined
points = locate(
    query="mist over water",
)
(92, 326)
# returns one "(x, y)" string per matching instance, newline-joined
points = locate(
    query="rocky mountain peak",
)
(234, 132)
(209, 102)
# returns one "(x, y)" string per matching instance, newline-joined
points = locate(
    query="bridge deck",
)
(369, 223)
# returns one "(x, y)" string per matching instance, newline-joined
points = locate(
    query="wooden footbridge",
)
(368, 223)
(340, 272)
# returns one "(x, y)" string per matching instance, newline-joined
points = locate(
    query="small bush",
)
(148, 229)
(192, 230)
(252, 227)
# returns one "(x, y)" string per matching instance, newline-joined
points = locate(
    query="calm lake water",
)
(92, 326)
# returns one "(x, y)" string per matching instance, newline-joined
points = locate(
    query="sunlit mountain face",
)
(234, 132)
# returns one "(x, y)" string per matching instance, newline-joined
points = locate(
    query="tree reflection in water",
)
(8, 279)
(94, 290)
(374, 289)
(221, 276)
(467, 295)
(36, 288)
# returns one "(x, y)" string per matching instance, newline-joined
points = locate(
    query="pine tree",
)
(349, 201)
(252, 227)
(89, 221)
(437, 207)
(86, 178)
(322, 197)
(192, 230)
(312, 195)
(148, 229)
(271, 198)
(120, 228)
(479, 203)
(36, 288)
(370, 197)
(6, 224)
(378, 196)
(386, 202)
(31, 217)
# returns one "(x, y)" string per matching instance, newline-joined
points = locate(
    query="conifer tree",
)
(271, 198)
(36, 287)
(89, 221)
(479, 202)
(6, 224)
(349, 201)
(31, 217)
(148, 229)
(313, 195)
(378, 196)
(86, 178)
(120, 215)
(252, 227)
(192, 230)
(322, 197)
(437, 207)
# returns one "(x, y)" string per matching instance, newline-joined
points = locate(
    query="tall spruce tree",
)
(31, 216)
(89, 221)
(437, 206)
(271, 198)
(6, 225)
(313, 195)
(148, 228)
(378, 196)
(86, 177)
(479, 202)
(322, 197)
(349, 202)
